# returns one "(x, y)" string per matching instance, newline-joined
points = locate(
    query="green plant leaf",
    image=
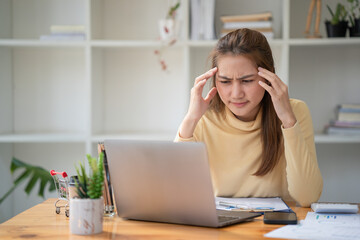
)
(81, 184)
(331, 12)
(34, 173)
(91, 186)
(173, 9)
(34, 178)
(15, 164)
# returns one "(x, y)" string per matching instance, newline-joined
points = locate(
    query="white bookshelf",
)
(77, 93)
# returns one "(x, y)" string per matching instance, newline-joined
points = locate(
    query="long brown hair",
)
(253, 44)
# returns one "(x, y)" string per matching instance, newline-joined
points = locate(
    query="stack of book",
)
(65, 32)
(261, 22)
(202, 19)
(347, 121)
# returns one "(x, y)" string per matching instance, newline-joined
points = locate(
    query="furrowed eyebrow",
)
(246, 76)
(224, 77)
(240, 78)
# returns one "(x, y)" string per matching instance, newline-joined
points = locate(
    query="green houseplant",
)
(90, 187)
(354, 18)
(87, 209)
(337, 26)
(35, 174)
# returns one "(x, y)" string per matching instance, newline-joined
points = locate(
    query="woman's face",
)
(237, 85)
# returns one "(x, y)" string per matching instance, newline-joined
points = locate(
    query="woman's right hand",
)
(198, 105)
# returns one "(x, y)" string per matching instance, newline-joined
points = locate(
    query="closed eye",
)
(247, 81)
(224, 81)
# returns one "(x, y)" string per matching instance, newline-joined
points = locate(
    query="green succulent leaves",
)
(91, 186)
(339, 15)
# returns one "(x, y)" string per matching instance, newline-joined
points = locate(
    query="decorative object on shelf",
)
(169, 32)
(34, 173)
(86, 211)
(354, 18)
(261, 22)
(347, 120)
(317, 19)
(337, 26)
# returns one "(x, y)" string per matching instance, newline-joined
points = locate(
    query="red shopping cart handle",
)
(63, 174)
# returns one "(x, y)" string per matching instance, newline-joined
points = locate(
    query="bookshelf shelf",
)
(38, 43)
(324, 42)
(336, 139)
(144, 136)
(42, 138)
(123, 43)
(72, 94)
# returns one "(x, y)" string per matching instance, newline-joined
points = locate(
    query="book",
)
(348, 116)
(347, 120)
(247, 17)
(67, 29)
(348, 112)
(352, 124)
(349, 105)
(342, 130)
(262, 30)
(252, 25)
(268, 35)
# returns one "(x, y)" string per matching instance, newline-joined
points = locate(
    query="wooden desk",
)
(41, 222)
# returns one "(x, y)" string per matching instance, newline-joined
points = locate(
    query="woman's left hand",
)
(279, 96)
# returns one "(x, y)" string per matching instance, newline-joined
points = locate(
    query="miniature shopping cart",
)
(62, 188)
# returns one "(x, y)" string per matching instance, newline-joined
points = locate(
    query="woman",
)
(260, 143)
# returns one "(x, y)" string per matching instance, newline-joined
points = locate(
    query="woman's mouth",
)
(237, 104)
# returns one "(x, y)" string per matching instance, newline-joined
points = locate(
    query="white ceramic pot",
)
(86, 216)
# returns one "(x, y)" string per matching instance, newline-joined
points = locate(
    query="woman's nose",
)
(237, 90)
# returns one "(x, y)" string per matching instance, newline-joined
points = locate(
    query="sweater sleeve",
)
(194, 138)
(303, 174)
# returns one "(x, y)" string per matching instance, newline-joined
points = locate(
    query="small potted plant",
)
(337, 26)
(354, 18)
(87, 209)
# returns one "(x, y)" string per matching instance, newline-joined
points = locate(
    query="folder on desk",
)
(252, 204)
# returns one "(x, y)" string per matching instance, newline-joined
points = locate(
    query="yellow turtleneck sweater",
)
(234, 148)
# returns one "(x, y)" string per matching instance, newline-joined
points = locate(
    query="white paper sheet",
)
(322, 226)
(332, 219)
(277, 204)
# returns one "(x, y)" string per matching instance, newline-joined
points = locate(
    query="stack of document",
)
(322, 226)
(251, 204)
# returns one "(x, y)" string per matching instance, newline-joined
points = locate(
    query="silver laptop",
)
(164, 181)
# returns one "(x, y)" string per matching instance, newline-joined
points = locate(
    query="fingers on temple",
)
(271, 77)
(266, 87)
(206, 75)
(211, 94)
